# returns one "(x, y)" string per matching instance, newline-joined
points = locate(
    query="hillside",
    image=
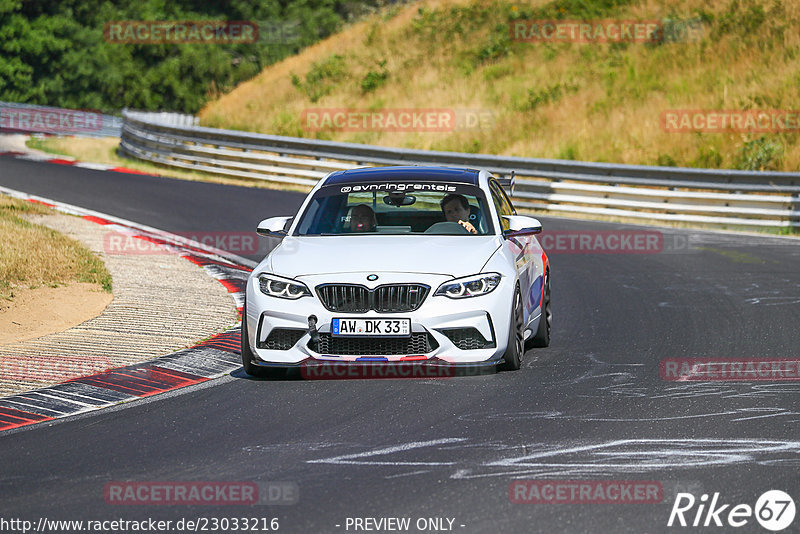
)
(586, 101)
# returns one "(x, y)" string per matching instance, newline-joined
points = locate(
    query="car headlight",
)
(469, 286)
(284, 288)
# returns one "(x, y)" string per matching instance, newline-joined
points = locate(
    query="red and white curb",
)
(73, 163)
(210, 359)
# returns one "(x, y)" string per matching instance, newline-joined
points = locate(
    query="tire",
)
(542, 336)
(248, 356)
(512, 359)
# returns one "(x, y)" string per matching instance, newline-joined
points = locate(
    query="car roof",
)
(412, 173)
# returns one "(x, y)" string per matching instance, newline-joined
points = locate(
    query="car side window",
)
(503, 198)
(501, 204)
(507, 201)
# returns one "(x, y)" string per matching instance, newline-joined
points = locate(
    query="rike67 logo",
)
(774, 510)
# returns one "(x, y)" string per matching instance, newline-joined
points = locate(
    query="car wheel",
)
(247, 356)
(542, 337)
(512, 358)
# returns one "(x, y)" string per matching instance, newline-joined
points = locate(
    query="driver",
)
(455, 208)
(362, 219)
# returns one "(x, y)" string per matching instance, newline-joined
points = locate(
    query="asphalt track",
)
(592, 406)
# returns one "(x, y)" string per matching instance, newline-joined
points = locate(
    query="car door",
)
(524, 249)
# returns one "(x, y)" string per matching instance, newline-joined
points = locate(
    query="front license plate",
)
(371, 327)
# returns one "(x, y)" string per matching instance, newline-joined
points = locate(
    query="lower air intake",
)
(416, 344)
(281, 339)
(467, 338)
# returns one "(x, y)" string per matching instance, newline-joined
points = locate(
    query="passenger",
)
(362, 219)
(456, 209)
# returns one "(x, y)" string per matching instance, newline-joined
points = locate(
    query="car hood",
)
(447, 255)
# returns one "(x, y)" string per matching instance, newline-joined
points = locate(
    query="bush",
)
(665, 160)
(497, 46)
(374, 79)
(322, 77)
(760, 154)
(707, 158)
(547, 95)
(569, 152)
(576, 9)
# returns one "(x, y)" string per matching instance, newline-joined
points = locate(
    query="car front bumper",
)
(440, 318)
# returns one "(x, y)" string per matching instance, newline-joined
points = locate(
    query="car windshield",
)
(391, 208)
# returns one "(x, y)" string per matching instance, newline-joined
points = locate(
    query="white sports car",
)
(422, 265)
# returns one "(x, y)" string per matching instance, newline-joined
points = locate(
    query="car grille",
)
(399, 297)
(417, 343)
(344, 298)
(467, 338)
(392, 298)
(281, 339)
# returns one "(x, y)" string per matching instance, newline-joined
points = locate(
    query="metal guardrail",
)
(708, 196)
(28, 118)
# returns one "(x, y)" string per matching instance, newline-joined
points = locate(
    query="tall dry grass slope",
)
(595, 102)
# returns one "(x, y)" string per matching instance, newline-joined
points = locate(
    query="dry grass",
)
(32, 255)
(94, 149)
(104, 150)
(571, 101)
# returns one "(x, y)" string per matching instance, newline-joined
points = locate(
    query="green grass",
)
(32, 255)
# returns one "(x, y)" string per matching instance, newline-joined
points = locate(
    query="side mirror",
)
(274, 227)
(520, 225)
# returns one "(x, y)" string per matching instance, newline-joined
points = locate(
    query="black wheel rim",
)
(548, 314)
(519, 333)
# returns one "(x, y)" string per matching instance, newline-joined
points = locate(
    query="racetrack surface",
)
(592, 406)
